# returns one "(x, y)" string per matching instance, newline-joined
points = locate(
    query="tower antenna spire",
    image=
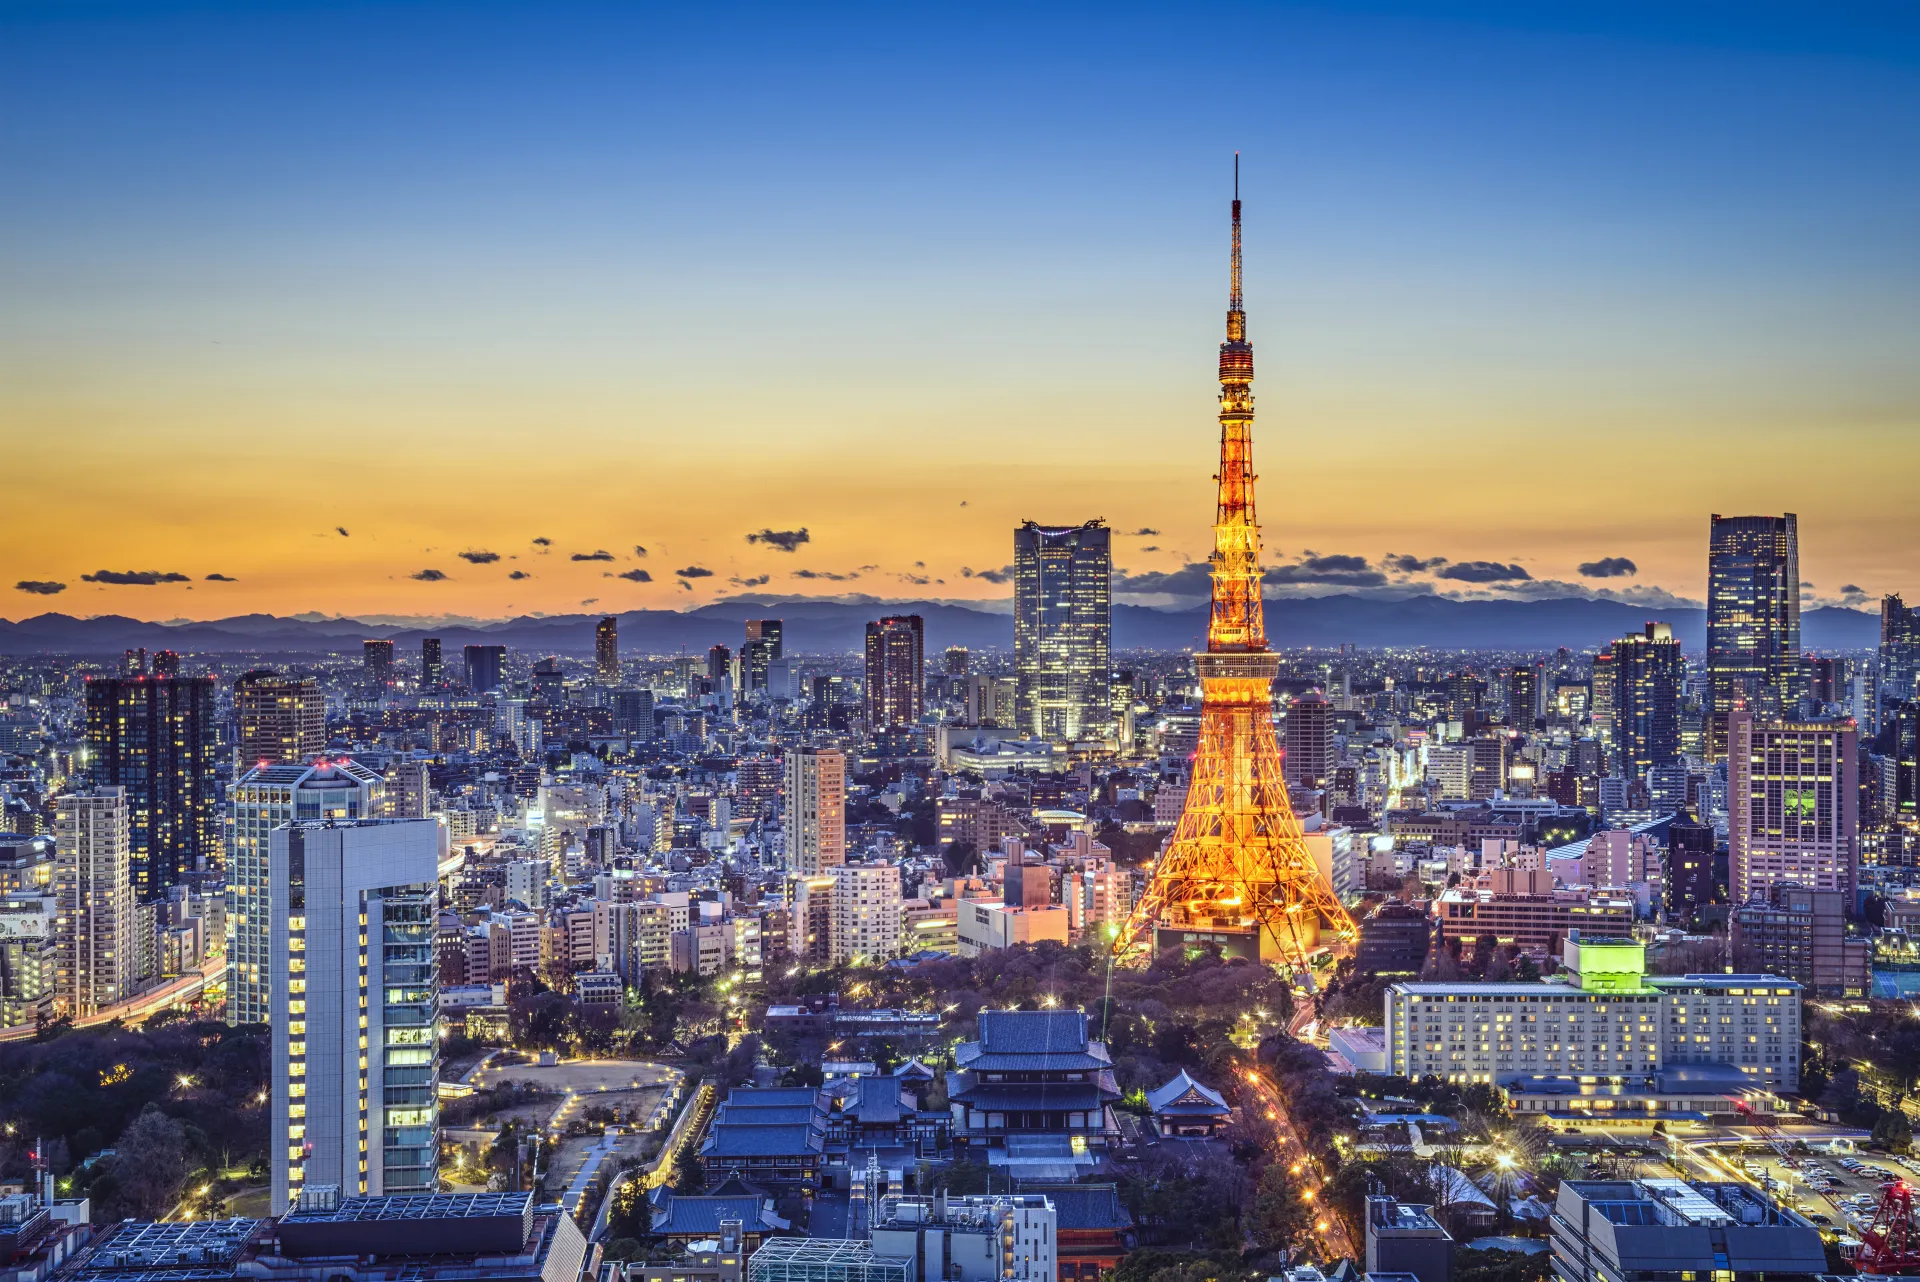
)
(1236, 314)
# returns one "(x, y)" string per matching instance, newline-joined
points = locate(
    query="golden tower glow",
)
(1237, 870)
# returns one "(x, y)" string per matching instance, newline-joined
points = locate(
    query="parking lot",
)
(1837, 1191)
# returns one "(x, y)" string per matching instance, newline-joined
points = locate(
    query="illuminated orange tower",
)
(1237, 871)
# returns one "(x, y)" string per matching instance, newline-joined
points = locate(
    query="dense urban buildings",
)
(1063, 629)
(1793, 804)
(279, 718)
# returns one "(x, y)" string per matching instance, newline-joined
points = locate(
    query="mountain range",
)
(815, 626)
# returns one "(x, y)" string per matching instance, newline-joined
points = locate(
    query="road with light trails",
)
(1330, 1235)
(177, 992)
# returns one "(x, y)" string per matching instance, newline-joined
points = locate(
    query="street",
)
(1330, 1236)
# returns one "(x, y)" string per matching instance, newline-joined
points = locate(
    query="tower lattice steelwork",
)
(1237, 871)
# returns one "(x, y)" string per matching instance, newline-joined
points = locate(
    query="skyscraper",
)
(719, 664)
(430, 670)
(1603, 692)
(896, 659)
(1648, 673)
(761, 650)
(1753, 615)
(957, 661)
(484, 664)
(1899, 649)
(816, 822)
(269, 797)
(606, 650)
(1689, 880)
(1063, 629)
(1793, 804)
(1523, 695)
(280, 718)
(93, 893)
(376, 657)
(355, 997)
(1309, 759)
(154, 737)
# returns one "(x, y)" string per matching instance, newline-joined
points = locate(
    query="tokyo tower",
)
(1237, 871)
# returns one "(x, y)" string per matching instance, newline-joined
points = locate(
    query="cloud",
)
(430, 576)
(40, 587)
(638, 550)
(1806, 585)
(1341, 570)
(519, 574)
(221, 578)
(785, 540)
(1144, 532)
(1485, 572)
(826, 574)
(757, 580)
(1190, 580)
(136, 578)
(599, 554)
(688, 586)
(1851, 589)
(1002, 575)
(1402, 563)
(1609, 567)
(481, 557)
(694, 572)
(636, 576)
(544, 544)
(918, 580)
(866, 568)
(1151, 547)
(341, 530)
(588, 600)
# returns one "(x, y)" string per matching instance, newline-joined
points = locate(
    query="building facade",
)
(816, 810)
(1753, 614)
(606, 650)
(1648, 674)
(154, 737)
(269, 797)
(95, 954)
(1793, 805)
(279, 719)
(896, 670)
(866, 912)
(1063, 629)
(354, 1004)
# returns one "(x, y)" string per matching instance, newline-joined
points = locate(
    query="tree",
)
(1893, 1132)
(1279, 1215)
(150, 1164)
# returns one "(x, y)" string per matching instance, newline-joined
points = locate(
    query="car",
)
(1820, 1219)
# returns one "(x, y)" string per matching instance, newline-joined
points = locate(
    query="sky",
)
(431, 308)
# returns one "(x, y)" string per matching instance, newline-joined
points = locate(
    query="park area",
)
(568, 1104)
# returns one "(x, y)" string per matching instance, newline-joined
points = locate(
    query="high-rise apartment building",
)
(266, 798)
(1689, 879)
(431, 671)
(633, 713)
(956, 661)
(1793, 804)
(1899, 649)
(719, 664)
(1603, 693)
(355, 999)
(484, 667)
(816, 822)
(376, 659)
(94, 959)
(1309, 751)
(896, 670)
(865, 911)
(1063, 629)
(154, 737)
(280, 719)
(409, 787)
(606, 650)
(1648, 674)
(1801, 933)
(1753, 615)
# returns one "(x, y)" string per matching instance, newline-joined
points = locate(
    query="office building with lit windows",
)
(896, 670)
(816, 810)
(354, 1007)
(431, 671)
(1608, 1038)
(1793, 805)
(281, 719)
(269, 797)
(1063, 629)
(1753, 615)
(154, 737)
(1648, 674)
(484, 667)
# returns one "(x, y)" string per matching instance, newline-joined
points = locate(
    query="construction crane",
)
(1892, 1244)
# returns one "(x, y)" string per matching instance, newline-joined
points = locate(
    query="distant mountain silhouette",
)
(819, 627)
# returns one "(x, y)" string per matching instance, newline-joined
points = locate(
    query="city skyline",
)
(247, 270)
